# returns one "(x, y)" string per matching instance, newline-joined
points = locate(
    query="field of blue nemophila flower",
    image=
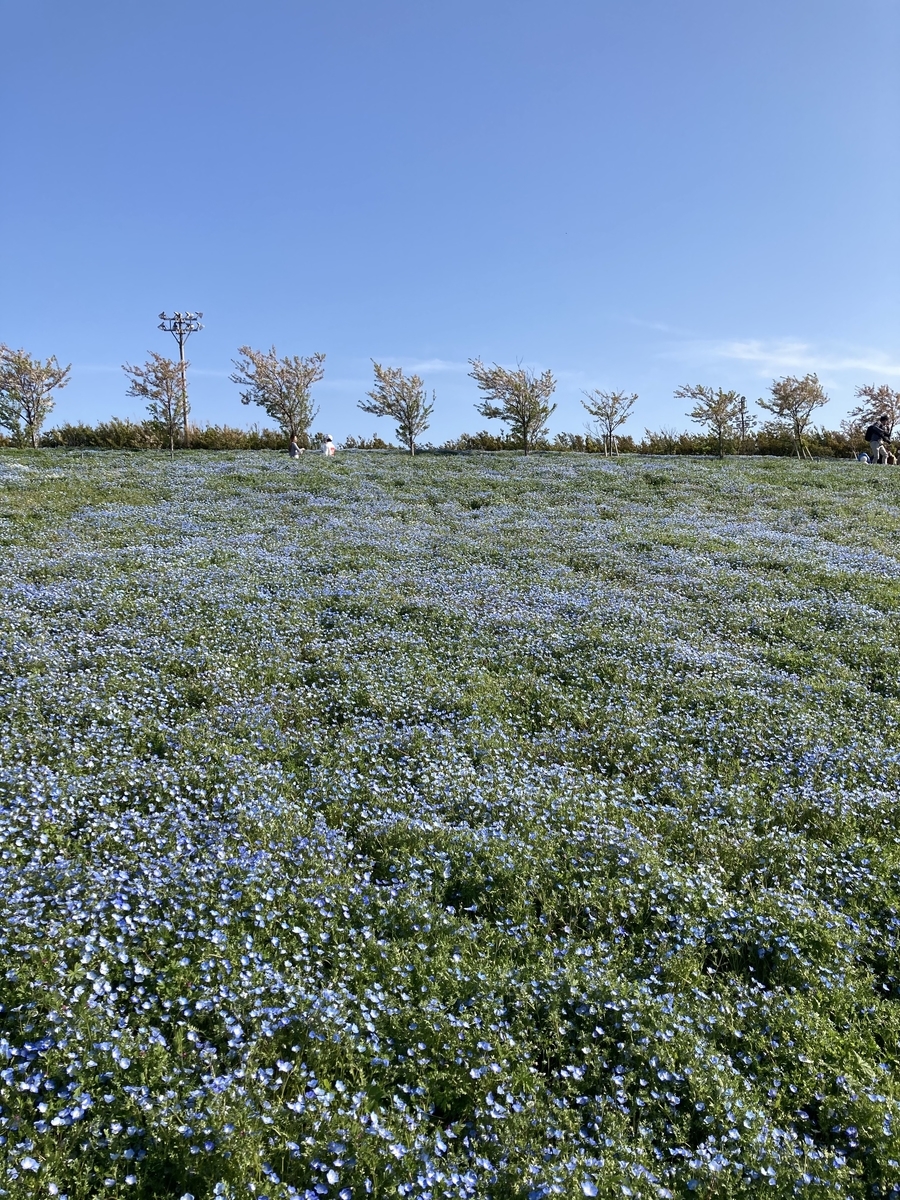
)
(450, 827)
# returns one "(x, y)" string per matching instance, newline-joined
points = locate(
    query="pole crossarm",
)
(182, 324)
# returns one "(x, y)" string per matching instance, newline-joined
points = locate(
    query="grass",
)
(451, 827)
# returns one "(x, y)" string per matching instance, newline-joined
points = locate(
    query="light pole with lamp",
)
(182, 325)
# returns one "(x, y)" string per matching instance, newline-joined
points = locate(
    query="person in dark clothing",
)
(878, 435)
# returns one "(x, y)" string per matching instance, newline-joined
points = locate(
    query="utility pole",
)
(182, 325)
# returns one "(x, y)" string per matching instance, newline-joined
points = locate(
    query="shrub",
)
(119, 433)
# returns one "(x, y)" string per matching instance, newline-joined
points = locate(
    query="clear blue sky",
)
(634, 193)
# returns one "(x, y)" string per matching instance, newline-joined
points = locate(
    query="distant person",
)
(295, 449)
(878, 435)
(329, 447)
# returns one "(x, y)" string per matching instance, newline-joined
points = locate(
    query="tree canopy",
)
(718, 410)
(610, 411)
(792, 404)
(520, 398)
(26, 392)
(281, 386)
(402, 397)
(160, 382)
(876, 400)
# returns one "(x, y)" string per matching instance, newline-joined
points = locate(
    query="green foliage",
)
(367, 443)
(484, 440)
(121, 434)
(481, 826)
(225, 437)
(822, 443)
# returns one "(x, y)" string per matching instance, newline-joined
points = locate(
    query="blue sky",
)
(633, 193)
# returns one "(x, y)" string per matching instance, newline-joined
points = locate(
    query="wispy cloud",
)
(659, 327)
(343, 383)
(433, 366)
(787, 355)
(802, 356)
(774, 356)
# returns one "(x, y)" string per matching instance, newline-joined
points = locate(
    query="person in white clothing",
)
(329, 447)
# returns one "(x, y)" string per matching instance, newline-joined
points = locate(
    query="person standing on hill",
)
(294, 448)
(877, 436)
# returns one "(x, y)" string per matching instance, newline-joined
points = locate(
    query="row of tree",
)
(119, 433)
(729, 421)
(282, 387)
(520, 398)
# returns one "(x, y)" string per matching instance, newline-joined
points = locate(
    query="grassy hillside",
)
(462, 827)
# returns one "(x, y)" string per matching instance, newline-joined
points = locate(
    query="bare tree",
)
(402, 397)
(793, 403)
(159, 382)
(610, 411)
(717, 410)
(26, 392)
(281, 386)
(520, 398)
(878, 400)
